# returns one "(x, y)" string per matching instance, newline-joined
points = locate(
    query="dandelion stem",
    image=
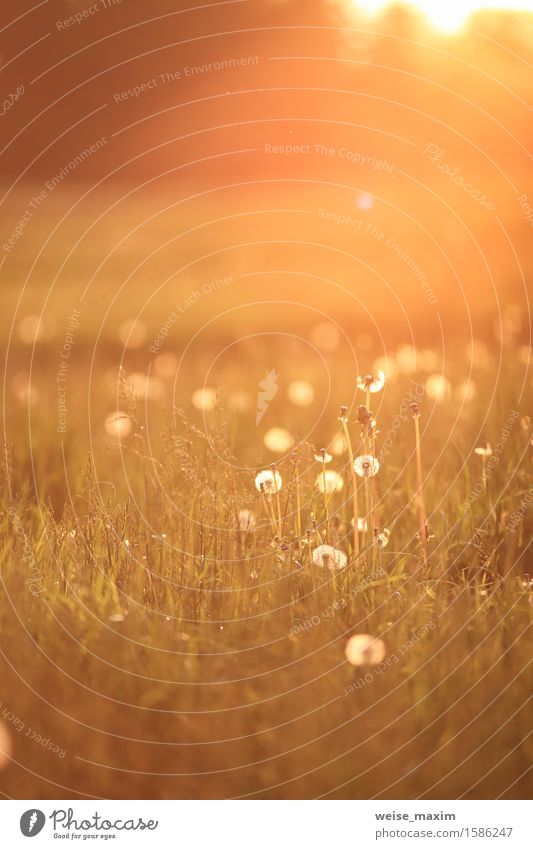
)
(367, 515)
(326, 515)
(421, 502)
(278, 506)
(271, 516)
(354, 485)
(298, 506)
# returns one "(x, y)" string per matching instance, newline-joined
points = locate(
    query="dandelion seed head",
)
(372, 382)
(268, 481)
(343, 415)
(323, 456)
(364, 650)
(484, 451)
(331, 558)
(382, 538)
(366, 466)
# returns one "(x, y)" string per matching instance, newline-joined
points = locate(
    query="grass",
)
(173, 654)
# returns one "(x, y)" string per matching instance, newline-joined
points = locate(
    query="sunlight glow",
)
(447, 15)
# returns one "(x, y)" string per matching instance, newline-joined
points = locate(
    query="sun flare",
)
(447, 16)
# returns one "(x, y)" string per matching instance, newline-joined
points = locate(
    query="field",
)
(266, 501)
(168, 629)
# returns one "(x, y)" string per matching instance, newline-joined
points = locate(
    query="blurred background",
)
(223, 189)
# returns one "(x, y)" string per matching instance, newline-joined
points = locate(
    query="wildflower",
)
(323, 456)
(382, 538)
(372, 383)
(329, 482)
(278, 440)
(343, 414)
(301, 393)
(364, 650)
(362, 525)
(484, 452)
(205, 398)
(268, 481)
(326, 555)
(366, 466)
(246, 519)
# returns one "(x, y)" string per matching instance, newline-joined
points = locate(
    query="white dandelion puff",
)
(372, 382)
(268, 481)
(332, 558)
(366, 466)
(364, 650)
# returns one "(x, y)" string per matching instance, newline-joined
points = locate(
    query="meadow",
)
(174, 626)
